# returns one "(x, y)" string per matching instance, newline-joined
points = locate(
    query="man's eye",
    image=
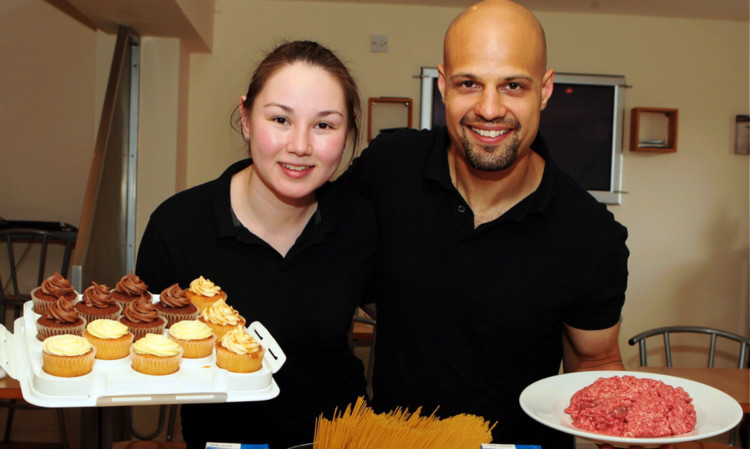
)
(513, 86)
(468, 84)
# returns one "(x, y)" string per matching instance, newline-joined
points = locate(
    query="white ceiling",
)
(697, 9)
(167, 17)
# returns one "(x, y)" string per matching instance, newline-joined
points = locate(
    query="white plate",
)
(546, 400)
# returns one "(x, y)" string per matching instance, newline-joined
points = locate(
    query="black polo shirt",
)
(467, 318)
(306, 299)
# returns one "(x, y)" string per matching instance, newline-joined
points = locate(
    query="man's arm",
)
(585, 350)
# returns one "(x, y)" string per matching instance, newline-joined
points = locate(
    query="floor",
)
(29, 446)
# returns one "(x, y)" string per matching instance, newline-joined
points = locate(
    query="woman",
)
(290, 249)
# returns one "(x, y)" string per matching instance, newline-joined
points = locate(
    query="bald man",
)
(496, 268)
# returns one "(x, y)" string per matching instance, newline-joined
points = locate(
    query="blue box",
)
(235, 446)
(509, 446)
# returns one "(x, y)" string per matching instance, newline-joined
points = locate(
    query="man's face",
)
(494, 88)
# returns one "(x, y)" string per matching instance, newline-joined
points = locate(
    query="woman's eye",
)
(324, 125)
(280, 120)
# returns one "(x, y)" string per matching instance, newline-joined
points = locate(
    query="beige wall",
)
(47, 77)
(158, 134)
(687, 212)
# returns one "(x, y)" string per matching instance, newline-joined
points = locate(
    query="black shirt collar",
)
(436, 169)
(221, 199)
(227, 224)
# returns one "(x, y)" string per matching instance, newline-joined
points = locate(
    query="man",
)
(495, 265)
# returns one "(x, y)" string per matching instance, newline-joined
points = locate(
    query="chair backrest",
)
(26, 264)
(744, 343)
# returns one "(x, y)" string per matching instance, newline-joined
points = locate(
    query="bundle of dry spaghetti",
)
(361, 428)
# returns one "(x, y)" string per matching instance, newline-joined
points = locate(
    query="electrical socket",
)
(378, 43)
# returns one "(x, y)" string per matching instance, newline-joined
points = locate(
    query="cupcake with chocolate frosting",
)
(97, 303)
(61, 318)
(174, 305)
(130, 288)
(52, 288)
(141, 318)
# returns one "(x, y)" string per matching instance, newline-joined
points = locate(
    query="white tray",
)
(114, 382)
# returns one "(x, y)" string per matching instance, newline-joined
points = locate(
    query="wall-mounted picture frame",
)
(742, 134)
(387, 114)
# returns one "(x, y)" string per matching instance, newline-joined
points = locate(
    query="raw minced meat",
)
(633, 407)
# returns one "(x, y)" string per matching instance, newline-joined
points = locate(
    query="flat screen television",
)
(583, 125)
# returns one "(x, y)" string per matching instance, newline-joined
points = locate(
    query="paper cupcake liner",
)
(68, 366)
(140, 332)
(124, 301)
(41, 306)
(155, 365)
(110, 348)
(203, 302)
(123, 304)
(196, 349)
(43, 331)
(173, 317)
(238, 363)
(93, 317)
(219, 329)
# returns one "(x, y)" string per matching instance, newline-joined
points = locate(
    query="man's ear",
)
(548, 82)
(441, 80)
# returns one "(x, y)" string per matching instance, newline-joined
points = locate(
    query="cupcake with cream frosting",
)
(203, 293)
(61, 318)
(130, 288)
(195, 337)
(221, 318)
(239, 352)
(142, 318)
(174, 305)
(67, 356)
(156, 355)
(96, 303)
(111, 338)
(52, 288)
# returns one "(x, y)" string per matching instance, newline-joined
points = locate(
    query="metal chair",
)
(715, 334)
(744, 343)
(172, 410)
(29, 266)
(20, 244)
(355, 338)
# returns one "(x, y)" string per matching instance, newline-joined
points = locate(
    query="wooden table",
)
(10, 388)
(733, 381)
(362, 331)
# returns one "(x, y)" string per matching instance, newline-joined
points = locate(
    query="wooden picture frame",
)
(388, 113)
(649, 131)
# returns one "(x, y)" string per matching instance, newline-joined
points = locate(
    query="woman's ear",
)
(245, 118)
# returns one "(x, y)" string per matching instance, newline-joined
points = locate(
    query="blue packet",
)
(235, 446)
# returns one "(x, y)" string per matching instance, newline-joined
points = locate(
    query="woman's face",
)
(297, 130)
